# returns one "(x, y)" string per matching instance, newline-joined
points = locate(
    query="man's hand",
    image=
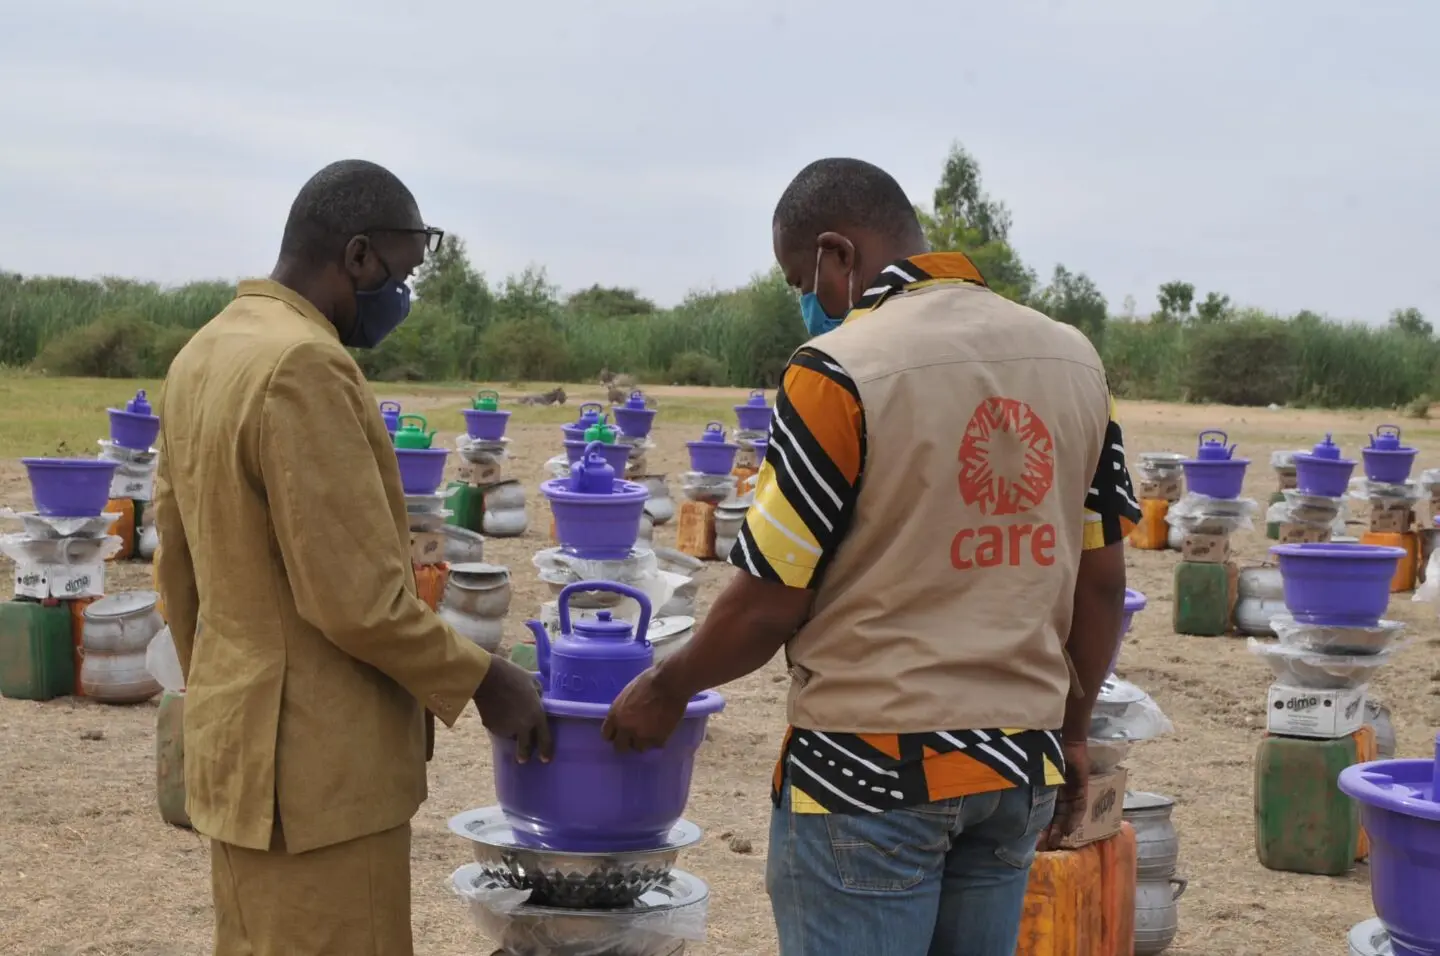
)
(509, 703)
(644, 715)
(1070, 801)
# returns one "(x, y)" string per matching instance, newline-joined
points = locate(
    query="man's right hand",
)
(509, 703)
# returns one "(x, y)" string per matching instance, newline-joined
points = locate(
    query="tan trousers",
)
(352, 899)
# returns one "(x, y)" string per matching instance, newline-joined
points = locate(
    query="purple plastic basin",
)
(590, 798)
(422, 469)
(485, 425)
(1400, 812)
(754, 415)
(134, 431)
(762, 445)
(1389, 466)
(1134, 603)
(615, 455)
(70, 487)
(1215, 479)
(634, 422)
(597, 527)
(1339, 585)
(1323, 477)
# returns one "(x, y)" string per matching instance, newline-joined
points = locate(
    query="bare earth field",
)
(87, 867)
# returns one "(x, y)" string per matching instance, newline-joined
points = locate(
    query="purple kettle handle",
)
(1393, 430)
(1214, 431)
(390, 406)
(613, 587)
(595, 405)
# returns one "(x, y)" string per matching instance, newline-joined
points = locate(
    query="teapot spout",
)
(542, 649)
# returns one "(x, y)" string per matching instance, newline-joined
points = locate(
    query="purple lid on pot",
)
(1327, 449)
(636, 400)
(592, 474)
(603, 624)
(139, 405)
(1214, 448)
(713, 432)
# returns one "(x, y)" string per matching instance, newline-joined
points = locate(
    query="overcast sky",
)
(1286, 152)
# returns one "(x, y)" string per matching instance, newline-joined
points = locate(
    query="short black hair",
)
(340, 202)
(833, 194)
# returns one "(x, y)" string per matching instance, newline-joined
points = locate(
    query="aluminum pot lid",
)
(1142, 800)
(664, 629)
(124, 604)
(1112, 692)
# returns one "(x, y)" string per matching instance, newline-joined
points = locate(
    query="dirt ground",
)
(87, 867)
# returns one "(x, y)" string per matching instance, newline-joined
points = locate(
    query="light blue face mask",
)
(817, 320)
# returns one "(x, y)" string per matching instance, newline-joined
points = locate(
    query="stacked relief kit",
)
(1331, 642)
(709, 484)
(133, 430)
(1206, 579)
(1160, 482)
(483, 500)
(1391, 495)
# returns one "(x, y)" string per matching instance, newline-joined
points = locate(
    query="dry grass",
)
(86, 866)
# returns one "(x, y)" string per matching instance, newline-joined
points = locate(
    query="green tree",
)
(1072, 298)
(601, 302)
(1411, 322)
(448, 279)
(529, 296)
(1175, 300)
(1215, 308)
(964, 218)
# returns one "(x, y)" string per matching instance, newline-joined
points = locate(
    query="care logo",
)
(1007, 467)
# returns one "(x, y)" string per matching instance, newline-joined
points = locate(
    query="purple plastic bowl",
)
(712, 457)
(422, 469)
(590, 798)
(634, 422)
(133, 430)
(754, 415)
(762, 445)
(1323, 477)
(1338, 585)
(1134, 603)
(596, 527)
(1389, 466)
(70, 487)
(485, 425)
(1401, 816)
(1215, 479)
(615, 455)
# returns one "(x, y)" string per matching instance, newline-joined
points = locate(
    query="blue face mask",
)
(378, 312)
(817, 320)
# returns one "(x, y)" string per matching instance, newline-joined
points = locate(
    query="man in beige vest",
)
(285, 570)
(937, 534)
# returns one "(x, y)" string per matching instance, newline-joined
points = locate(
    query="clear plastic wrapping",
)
(1310, 511)
(676, 913)
(711, 488)
(481, 452)
(1125, 712)
(47, 526)
(1106, 755)
(1159, 466)
(1363, 489)
(1284, 461)
(1314, 670)
(28, 551)
(1199, 514)
(1430, 480)
(1429, 588)
(1326, 639)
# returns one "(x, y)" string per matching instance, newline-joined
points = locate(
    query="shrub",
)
(1250, 361)
(696, 368)
(115, 345)
(530, 350)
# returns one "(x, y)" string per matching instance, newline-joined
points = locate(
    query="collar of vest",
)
(917, 272)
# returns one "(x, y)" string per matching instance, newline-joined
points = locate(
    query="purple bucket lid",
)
(73, 464)
(1407, 787)
(703, 704)
(1134, 601)
(1338, 551)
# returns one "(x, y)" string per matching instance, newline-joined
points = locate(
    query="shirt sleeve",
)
(336, 529)
(1110, 507)
(806, 488)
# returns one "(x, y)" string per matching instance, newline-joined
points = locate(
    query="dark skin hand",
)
(748, 623)
(508, 700)
(1094, 634)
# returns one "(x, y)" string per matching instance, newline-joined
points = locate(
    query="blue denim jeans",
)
(941, 879)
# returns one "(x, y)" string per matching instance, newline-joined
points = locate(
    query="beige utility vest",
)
(948, 603)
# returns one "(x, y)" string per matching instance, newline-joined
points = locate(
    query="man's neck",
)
(303, 283)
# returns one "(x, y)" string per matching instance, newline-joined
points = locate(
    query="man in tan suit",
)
(285, 571)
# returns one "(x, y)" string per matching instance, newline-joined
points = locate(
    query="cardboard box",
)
(1199, 548)
(695, 531)
(1150, 489)
(1288, 479)
(1104, 809)
(1391, 516)
(427, 547)
(63, 581)
(474, 473)
(1291, 533)
(1321, 714)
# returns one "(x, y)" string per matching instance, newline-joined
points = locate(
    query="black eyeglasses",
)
(433, 236)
